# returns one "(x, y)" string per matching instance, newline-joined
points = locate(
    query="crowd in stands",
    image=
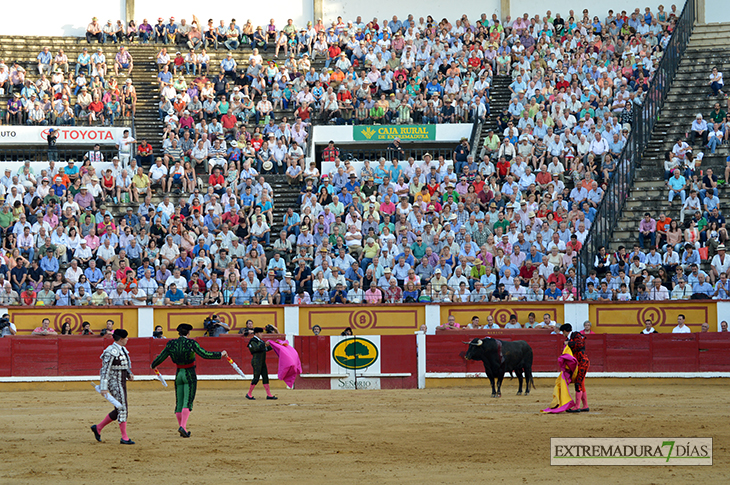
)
(667, 261)
(67, 93)
(417, 71)
(504, 225)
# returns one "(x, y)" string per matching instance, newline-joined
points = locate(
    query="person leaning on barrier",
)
(44, 329)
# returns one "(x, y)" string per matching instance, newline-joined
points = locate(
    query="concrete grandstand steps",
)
(710, 35)
(687, 97)
(145, 56)
(285, 196)
(499, 99)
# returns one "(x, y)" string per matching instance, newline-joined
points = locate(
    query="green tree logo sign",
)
(357, 353)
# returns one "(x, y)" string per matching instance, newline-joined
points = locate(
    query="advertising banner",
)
(359, 358)
(67, 135)
(390, 132)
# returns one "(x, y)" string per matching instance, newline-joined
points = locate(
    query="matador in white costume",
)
(116, 369)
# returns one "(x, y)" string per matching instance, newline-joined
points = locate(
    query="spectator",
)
(647, 231)
(681, 327)
(699, 130)
(44, 329)
(716, 83)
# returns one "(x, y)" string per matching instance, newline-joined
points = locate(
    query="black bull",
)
(514, 357)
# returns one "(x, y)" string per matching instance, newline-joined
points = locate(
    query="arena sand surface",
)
(437, 435)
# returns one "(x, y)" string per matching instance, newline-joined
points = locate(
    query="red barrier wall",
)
(399, 355)
(314, 352)
(79, 356)
(698, 352)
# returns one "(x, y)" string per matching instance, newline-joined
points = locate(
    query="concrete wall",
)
(385, 9)
(716, 11)
(532, 7)
(259, 12)
(55, 20)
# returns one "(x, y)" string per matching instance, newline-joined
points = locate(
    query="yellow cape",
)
(561, 394)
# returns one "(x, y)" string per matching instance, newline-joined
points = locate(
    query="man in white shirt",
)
(177, 279)
(73, 273)
(691, 205)
(681, 327)
(158, 173)
(355, 295)
(125, 145)
(599, 147)
(658, 292)
(720, 263)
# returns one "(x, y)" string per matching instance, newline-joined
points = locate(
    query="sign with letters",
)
(67, 135)
(391, 132)
(358, 358)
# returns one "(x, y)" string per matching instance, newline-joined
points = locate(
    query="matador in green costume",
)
(182, 352)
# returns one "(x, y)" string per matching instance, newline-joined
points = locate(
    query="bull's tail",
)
(528, 370)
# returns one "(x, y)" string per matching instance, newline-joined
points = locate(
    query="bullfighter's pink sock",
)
(250, 390)
(267, 389)
(123, 429)
(179, 418)
(576, 402)
(184, 418)
(103, 423)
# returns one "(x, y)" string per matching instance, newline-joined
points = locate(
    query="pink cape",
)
(289, 364)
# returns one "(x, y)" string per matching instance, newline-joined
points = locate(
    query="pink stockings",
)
(123, 429)
(266, 388)
(107, 420)
(103, 423)
(184, 415)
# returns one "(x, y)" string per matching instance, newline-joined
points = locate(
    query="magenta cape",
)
(289, 364)
(561, 393)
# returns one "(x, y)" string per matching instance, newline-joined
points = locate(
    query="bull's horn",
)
(465, 342)
(479, 342)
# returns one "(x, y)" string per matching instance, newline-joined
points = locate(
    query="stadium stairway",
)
(687, 97)
(499, 100)
(25, 49)
(145, 76)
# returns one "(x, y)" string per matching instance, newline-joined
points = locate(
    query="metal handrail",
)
(475, 137)
(645, 117)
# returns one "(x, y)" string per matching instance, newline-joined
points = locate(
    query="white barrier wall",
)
(55, 20)
(385, 9)
(48, 17)
(259, 12)
(600, 9)
(59, 19)
(716, 11)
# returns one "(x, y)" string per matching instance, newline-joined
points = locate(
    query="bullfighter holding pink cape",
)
(289, 364)
(561, 393)
(573, 365)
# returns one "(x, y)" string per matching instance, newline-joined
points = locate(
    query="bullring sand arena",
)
(435, 435)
